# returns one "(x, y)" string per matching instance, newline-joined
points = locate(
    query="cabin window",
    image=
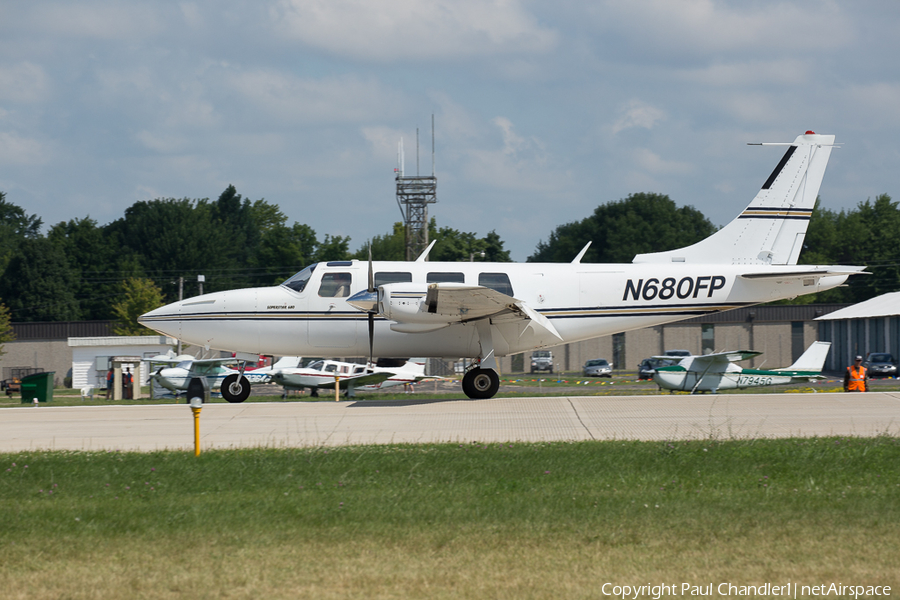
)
(496, 281)
(445, 278)
(298, 282)
(330, 368)
(335, 285)
(384, 277)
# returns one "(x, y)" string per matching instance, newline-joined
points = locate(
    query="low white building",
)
(91, 356)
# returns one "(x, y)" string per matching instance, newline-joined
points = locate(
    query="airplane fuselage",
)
(582, 301)
(712, 382)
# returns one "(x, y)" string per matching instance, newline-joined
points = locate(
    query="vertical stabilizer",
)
(771, 229)
(812, 360)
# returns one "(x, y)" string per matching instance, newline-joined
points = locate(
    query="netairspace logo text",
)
(728, 590)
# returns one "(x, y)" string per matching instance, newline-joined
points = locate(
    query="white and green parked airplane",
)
(714, 372)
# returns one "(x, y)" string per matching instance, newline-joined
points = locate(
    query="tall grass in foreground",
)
(474, 520)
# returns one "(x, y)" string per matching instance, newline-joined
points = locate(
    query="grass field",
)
(449, 521)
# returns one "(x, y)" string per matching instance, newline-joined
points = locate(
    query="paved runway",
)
(294, 424)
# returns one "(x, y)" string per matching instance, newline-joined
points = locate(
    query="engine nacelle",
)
(405, 303)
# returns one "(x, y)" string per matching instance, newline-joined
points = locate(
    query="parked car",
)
(597, 367)
(648, 366)
(881, 364)
(542, 360)
(678, 353)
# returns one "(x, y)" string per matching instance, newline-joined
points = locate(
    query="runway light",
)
(196, 407)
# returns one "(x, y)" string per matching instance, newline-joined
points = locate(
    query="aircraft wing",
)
(164, 360)
(462, 303)
(358, 380)
(217, 361)
(702, 360)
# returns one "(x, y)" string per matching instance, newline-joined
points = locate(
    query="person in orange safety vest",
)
(856, 379)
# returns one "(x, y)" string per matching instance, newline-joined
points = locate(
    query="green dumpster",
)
(39, 385)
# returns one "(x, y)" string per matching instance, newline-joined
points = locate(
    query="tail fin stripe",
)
(780, 209)
(777, 171)
(779, 217)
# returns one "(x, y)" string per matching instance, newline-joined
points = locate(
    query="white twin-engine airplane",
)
(714, 372)
(488, 310)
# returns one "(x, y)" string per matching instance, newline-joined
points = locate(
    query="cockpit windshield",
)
(298, 282)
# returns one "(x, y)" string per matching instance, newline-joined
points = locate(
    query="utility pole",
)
(200, 280)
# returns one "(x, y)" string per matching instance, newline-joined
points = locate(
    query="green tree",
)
(390, 246)
(137, 296)
(619, 230)
(449, 245)
(15, 226)
(40, 284)
(282, 251)
(333, 248)
(867, 235)
(173, 238)
(93, 258)
(6, 330)
(493, 248)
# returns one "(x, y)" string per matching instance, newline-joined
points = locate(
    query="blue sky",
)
(543, 110)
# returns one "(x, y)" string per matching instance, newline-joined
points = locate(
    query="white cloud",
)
(782, 71)
(300, 100)
(878, 101)
(654, 164)
(384, 141)
(719, 26)
(638, 114)
(24, 82)
(521, 164)
(16, 150)
(413, 29)
(105, 20)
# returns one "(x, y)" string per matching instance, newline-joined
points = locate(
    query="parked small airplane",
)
(264, 374)
(487, 310)
(350, 376)
(714, 372)
(176, 378)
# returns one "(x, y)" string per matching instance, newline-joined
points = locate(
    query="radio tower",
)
(414, 194)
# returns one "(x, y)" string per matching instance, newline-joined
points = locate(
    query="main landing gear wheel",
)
(480, 384)
(235, 388)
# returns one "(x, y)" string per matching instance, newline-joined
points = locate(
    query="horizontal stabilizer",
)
(814, 272)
